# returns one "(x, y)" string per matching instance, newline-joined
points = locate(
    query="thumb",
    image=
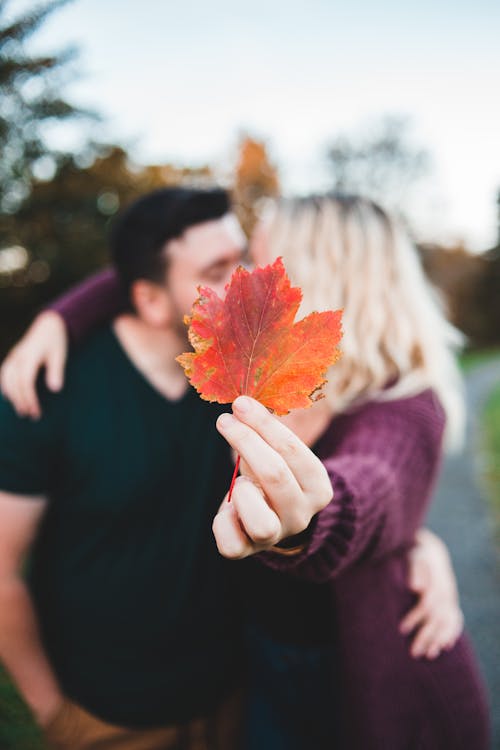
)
(54, 369)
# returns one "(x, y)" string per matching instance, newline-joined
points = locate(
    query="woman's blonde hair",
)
(346, 252)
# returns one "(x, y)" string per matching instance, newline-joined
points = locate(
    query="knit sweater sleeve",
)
(382, 463)
(91, 303)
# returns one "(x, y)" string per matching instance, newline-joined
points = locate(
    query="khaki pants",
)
(73, 728)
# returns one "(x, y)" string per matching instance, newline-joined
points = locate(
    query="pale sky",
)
(178, 81)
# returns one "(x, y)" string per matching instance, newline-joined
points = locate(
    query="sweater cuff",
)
(328, 538)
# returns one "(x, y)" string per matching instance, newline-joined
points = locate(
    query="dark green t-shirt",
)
(130, 590)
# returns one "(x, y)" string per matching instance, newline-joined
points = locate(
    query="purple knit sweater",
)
(382, 460)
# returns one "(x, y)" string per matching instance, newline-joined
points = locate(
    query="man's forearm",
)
(22, 652)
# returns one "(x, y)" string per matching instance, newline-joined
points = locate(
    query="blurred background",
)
(102, 101)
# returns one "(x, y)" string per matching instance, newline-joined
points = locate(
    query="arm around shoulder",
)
(45, 345)
(91, 303)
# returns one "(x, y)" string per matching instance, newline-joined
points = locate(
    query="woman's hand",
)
(281, 487)
(436, 617)
(45, 344)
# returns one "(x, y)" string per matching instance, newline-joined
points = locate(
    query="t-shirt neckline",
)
(140, 376)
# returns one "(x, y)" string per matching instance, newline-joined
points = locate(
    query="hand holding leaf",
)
(249, 344)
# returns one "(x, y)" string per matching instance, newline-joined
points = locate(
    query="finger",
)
(259, 521)
(427, 636)
(11, 384)
(446, 637)
(449, 637)
(14, 388)
(414, 617)
(454, 632)
(305, 466)
(232, 542)
(434, 650)
(270, 471)
(27, 389)
(54, 369)
(6, 379)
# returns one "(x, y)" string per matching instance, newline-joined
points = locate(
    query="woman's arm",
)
(91, 303)
(382, 462)
(45, 344)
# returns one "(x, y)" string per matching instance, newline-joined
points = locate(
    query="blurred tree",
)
(58, 235)
(54, 206)
(30, 99)
(488, 292)
(380, 163)
(470, 284)
(63, 222)
(255, 178)
(458, 274)
(488, 295)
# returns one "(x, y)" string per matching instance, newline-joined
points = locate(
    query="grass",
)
(18, 731)
(491, 423)
(473, 357)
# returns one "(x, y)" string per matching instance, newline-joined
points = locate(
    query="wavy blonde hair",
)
(346, 252)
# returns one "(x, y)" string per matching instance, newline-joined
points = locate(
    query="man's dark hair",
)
(140, 232)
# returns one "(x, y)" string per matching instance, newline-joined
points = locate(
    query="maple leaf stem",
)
(233, 480)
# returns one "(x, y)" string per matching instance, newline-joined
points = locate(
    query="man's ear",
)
(152, 303)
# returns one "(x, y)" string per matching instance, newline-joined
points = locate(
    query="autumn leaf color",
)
(249, 344)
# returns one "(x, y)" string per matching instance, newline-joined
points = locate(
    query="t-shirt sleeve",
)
(27, 451)
(95, 301)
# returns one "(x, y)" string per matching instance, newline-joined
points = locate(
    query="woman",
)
(378, 431)
(329, 665)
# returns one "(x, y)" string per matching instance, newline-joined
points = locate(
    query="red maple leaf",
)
(249, 344)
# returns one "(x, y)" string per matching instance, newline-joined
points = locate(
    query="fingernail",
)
(225, 421)
(243, 404)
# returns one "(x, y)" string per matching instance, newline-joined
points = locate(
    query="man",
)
(123, 634)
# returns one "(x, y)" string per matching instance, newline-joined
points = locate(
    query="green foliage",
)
(492, 444)
(474, 357)
(62, 227)
(18, 731)
(30, 98)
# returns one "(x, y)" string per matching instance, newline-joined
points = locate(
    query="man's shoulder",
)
(92, 355)
(85, 367)
(100, 342)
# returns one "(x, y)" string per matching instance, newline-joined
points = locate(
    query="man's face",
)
(205, 255)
